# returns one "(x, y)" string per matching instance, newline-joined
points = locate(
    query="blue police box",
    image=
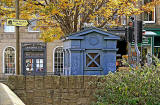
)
(91, 51)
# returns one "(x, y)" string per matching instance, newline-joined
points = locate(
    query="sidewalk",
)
(7, 97)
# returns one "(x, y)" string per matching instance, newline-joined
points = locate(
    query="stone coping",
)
(7, 97)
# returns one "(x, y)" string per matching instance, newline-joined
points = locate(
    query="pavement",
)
(8, 97)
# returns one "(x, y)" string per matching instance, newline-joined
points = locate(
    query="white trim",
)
(151, 45)
(157, 46)
(4, 62)
(149, 33)
(54, 56)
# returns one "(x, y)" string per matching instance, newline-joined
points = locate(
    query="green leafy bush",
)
(134, 87)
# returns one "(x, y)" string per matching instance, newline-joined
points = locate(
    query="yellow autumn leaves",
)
(61, 17)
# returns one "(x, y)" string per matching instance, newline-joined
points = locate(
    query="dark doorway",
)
(157, 41)
(122, 47)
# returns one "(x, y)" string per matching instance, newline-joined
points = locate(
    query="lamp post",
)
(17, 38)
(135, 38)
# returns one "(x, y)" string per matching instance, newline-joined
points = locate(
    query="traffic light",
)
(131, 34)
(139, 31)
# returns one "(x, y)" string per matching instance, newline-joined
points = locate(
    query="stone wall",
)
(54, 90)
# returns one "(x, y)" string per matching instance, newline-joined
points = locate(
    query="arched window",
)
(9, 60)
(58, 61)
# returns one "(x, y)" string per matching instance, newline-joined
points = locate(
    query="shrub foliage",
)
(134, 87)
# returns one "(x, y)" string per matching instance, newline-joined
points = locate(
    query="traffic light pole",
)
(17, 39)
(136, 42)
(128, 43)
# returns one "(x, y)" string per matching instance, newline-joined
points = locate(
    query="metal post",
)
(17, 39)
(135, 37)
(128, 43)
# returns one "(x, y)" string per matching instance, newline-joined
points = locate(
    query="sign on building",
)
(17, 22)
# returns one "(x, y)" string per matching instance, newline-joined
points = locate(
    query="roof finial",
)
(88, 25)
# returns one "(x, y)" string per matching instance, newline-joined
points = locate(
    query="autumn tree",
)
(62, 17)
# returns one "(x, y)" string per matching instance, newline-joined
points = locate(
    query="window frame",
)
(54, 51)
(4, 60)
(92, 60)
(154, 18)
(85, 62)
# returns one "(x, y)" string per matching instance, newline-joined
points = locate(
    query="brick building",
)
(35, 55)
(152, 26)
(150, 39)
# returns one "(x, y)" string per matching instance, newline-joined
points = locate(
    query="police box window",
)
(92, 60)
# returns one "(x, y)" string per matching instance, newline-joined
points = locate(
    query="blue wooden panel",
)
(90, 52)
(76, 61)
(93, 73)
(109, 61)
(111, 44)
(93, 41)
(75, 44)
(67, 66)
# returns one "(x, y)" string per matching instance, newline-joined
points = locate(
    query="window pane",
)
(149, 16)
(9, 60)
(9, 28)
(37, 65)
(37, 61)
(58, 61)
(41, 60)
(41, 65)
(29, 64)
(145, 16)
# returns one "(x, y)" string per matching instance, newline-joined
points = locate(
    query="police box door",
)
(34, 59)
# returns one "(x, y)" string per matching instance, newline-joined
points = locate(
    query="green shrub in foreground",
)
(135, 87)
